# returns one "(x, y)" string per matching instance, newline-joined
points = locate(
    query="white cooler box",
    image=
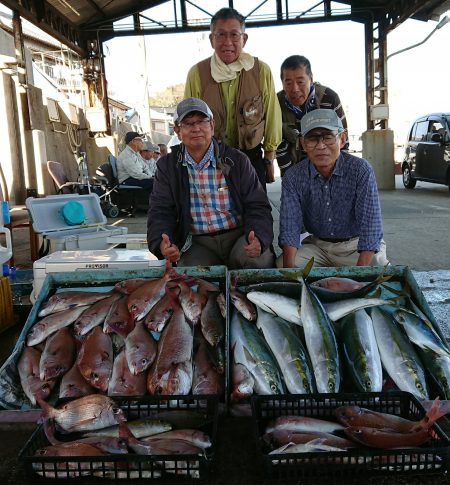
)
(111, 259)
(93, 233)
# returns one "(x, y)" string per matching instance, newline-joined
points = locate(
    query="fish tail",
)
(125, 432)
(437, 410)
(301, 273)
(47, 409)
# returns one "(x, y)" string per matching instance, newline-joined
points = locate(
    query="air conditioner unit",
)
(96, 119)
(52, 109)
(73, 114)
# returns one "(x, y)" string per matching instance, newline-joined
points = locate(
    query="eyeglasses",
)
(234, 36)
(311, 141)
(189, 125)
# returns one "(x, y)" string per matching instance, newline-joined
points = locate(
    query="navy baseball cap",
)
(131, 135)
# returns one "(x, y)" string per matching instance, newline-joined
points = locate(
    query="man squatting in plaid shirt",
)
(207, 206)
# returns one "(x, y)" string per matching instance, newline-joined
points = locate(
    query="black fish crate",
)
(204, 408)
(430, 458)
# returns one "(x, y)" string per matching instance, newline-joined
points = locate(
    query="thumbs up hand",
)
(168, 250)
(253, 248)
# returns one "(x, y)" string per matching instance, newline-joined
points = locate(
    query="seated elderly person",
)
(132, 169)
(150, 154)
(208, 206)
(334, 196)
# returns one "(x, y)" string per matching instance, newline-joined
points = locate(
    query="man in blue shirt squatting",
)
(208, 206)
(334, 196)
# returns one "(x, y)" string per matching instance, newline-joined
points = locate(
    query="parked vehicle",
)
(427, 151)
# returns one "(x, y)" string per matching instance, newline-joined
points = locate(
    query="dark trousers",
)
(256, 157)
(145, 183)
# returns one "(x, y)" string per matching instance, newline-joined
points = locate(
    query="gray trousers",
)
(226, 248)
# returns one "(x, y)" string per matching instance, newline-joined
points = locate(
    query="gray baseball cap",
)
(321, 118)
(189, 105)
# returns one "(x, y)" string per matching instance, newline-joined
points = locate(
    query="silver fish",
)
(398, 355)
(251, 350)
(361, 353)
(140, 428)
(421, 332)
(280, 305)
(320, 341)
(339, 309)
(289, 352)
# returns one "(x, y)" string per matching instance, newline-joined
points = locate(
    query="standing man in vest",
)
(300, 95)
(240, 91)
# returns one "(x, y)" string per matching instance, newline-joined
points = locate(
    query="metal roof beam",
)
(47, 18)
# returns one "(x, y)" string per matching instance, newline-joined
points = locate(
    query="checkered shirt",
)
(212, 208)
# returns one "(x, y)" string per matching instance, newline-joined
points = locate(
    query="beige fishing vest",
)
(249, 105)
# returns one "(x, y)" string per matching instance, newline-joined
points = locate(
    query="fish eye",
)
(419, 386)
(369, 384)
(331, 386)
(274, 387)
(94, 376)
(144, 361)
(357, 431)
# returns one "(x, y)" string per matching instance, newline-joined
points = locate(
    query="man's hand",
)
(168, 250)
(365, 258)
(270, 173)
(289, 253)
(253, 248)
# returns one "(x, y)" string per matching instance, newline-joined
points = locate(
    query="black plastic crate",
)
(430, 458)
(131, 465)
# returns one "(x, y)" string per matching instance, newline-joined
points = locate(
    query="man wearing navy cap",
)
(208, 206)
(131, 167)
(334, 196)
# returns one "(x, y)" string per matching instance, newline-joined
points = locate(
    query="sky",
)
(417, 77)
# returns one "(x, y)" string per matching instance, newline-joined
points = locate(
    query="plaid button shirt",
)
(212, 208)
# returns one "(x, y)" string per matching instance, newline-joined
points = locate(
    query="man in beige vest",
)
(240, 91)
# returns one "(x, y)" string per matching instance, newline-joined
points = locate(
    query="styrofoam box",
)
(91, 261)
(93, 233)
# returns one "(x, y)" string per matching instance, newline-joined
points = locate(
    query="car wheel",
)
(408, 181)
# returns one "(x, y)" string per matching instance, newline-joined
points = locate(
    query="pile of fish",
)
(158, 336)
(95, 426)
(336, 327)
(356, 428)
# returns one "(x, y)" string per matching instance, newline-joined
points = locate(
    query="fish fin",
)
(401, 293)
